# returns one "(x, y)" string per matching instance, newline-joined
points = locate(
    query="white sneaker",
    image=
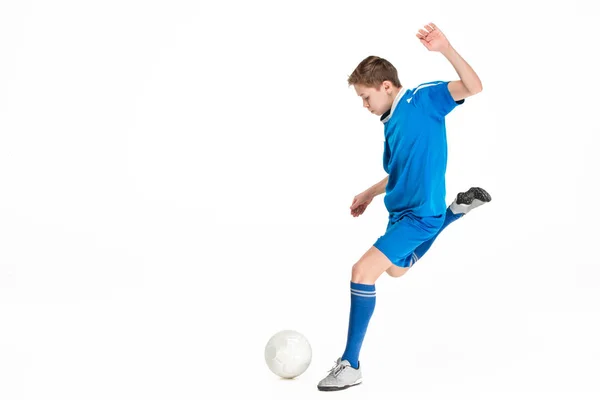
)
(341, 376)
(469, 200)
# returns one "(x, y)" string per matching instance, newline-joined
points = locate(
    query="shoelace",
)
(337, 368)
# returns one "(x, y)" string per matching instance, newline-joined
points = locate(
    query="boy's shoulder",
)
(422, 89)
(433, 96)
(427, 84)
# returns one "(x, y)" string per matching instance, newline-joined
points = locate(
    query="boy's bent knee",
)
(370, 266)
(361, 273)
(358, 273)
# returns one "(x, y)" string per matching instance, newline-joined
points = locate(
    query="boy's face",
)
(376, 99)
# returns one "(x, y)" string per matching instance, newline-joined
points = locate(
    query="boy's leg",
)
(370, 266)
(362, 299)
(398, 241)
(462, 204)
(423, 248)
(346, 372)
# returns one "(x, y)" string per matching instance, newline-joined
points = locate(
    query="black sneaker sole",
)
(475, 193)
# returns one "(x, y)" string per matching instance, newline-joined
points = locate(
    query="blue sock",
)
(362, 304)
(450, 218)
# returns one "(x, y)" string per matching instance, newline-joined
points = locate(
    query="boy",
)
(414, 157)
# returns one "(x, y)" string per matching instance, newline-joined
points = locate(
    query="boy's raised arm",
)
(469, 84)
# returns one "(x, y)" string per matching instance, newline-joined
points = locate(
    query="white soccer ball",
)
(288, 354)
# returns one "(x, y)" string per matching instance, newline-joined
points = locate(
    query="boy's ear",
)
(387, 86)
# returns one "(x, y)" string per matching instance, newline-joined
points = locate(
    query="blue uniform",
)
(415, 158)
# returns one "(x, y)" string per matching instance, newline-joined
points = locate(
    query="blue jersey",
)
(416, 152)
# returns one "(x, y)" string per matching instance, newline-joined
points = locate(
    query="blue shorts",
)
(403, 235)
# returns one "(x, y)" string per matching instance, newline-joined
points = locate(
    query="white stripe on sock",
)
(364, 295)
(362, 291)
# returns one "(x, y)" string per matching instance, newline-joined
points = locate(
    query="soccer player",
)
(415, 159)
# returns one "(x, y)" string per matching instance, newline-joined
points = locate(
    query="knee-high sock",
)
(450, 218)
(362, 304)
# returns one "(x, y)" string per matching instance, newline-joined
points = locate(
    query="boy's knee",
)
(358, 273)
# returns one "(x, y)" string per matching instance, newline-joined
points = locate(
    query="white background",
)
(175, 178)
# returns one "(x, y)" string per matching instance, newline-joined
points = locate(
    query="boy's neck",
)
(394, 95)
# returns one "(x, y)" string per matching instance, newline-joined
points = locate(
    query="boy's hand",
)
(433, 38)
(360, 203)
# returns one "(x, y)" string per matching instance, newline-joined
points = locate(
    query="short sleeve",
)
(435, 98)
